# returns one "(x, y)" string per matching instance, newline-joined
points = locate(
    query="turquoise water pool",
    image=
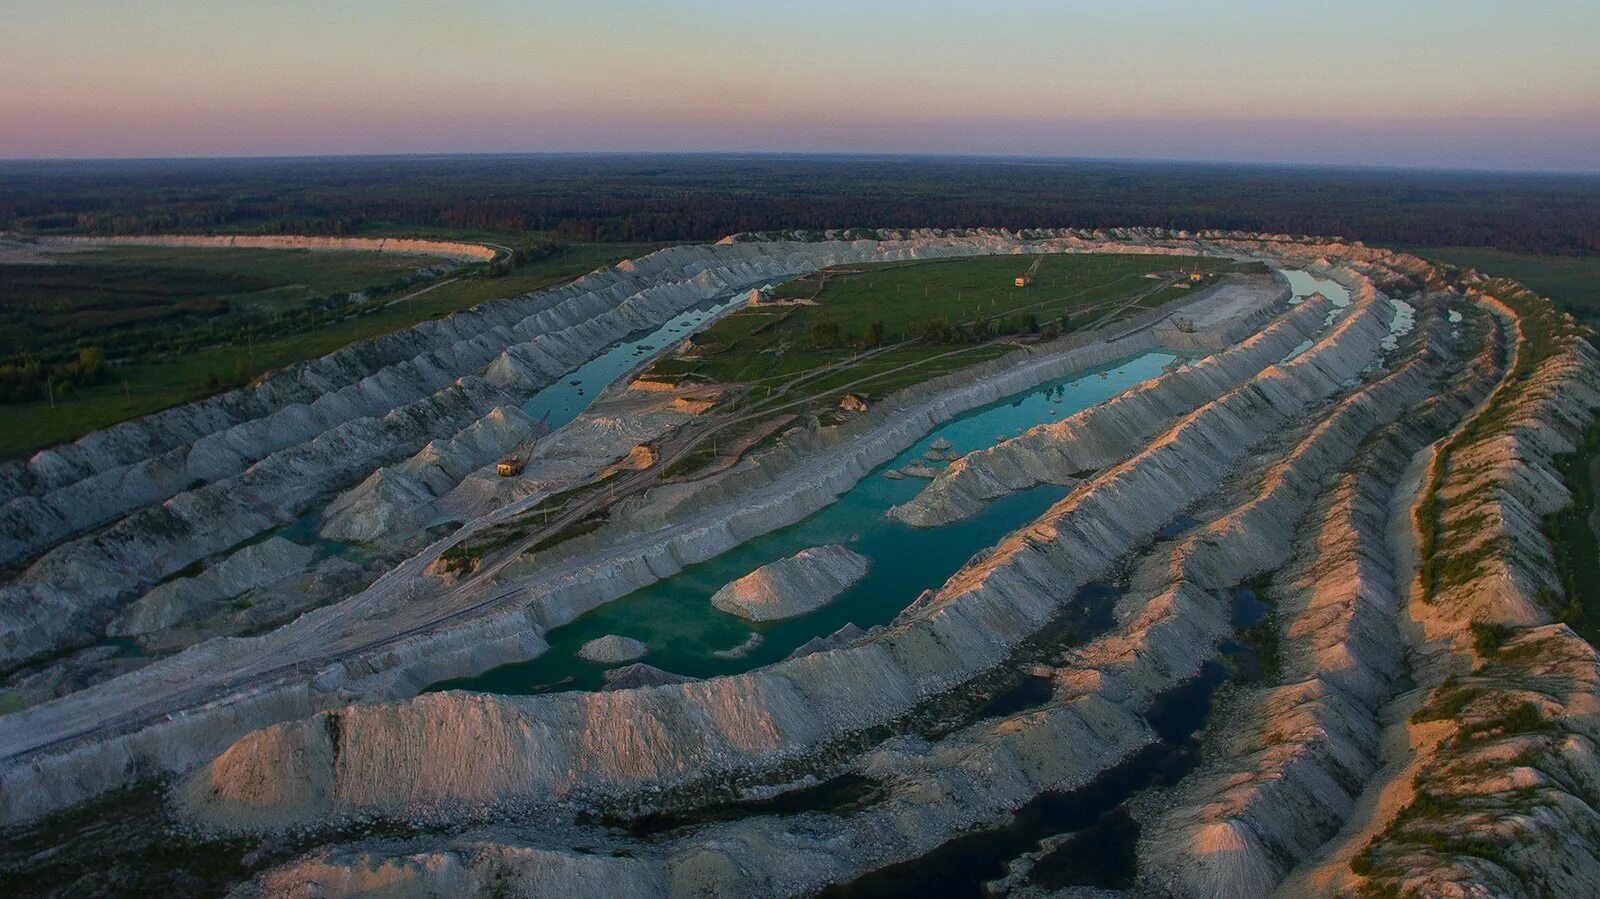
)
(674, 616)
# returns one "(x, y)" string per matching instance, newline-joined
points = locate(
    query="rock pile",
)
(798, 585)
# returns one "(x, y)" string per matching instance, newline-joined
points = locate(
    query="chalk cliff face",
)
(775, 715)
(802, 583)
(402, 245)
(1383, 487)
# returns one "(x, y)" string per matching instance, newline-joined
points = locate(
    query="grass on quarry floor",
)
(159, 384)
(1571, 282)
(770, 347)
(767, 344)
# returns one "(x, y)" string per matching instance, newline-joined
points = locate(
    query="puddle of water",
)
(1303, 284)
(1176, 528)
(1249, 618)
(1405, 318)
(1031, 692)
(675, 618)
(1247, 608)
(836, 795)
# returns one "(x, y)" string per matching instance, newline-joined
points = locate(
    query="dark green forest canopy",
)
(700, 197)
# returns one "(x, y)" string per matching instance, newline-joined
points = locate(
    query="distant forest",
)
(700, 197)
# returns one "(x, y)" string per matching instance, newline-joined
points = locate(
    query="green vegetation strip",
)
(1544, 334)
(156, 381)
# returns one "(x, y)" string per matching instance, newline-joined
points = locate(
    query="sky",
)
(1458, 84)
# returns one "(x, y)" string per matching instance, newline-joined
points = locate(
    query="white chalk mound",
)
(804, 582)
(612, 650)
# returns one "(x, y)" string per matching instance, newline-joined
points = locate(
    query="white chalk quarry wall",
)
(1299, 751)
(528, 855)
(1060, 452)
(267, 469)
(676, 734)
(1336, 613)
(57, 778)
(1512, 801)
(981, 773)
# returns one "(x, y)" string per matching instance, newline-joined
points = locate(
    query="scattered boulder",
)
(802, 583)
(612, 650)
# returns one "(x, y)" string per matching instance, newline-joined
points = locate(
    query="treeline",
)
(32, 380)
(691, 197)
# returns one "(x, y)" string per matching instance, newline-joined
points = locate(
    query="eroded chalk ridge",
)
(1172, 619)
(1296, 753)
(1042, 674)
(121, 510)
(1062, 452)
(767, 717)
(1502, 779)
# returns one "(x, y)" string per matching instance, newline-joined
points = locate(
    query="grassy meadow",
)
(767, 344)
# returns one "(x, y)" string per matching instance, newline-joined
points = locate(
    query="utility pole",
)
(50, 386)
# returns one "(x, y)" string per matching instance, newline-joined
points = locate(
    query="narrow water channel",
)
(564, 400)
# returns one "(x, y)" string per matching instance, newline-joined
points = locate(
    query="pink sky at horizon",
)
(1498, 87)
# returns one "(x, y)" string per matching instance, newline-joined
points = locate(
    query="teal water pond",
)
(675, 618)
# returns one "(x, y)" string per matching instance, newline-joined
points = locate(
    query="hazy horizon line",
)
(804, 154)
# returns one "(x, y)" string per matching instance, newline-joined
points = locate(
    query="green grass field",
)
(770, 343)
(774, 349)
(157, 384)
(1572, 282)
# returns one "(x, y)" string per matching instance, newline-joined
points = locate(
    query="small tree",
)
(824, 334)
(875, 332)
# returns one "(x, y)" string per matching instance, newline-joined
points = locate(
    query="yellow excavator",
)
(1027, 277)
